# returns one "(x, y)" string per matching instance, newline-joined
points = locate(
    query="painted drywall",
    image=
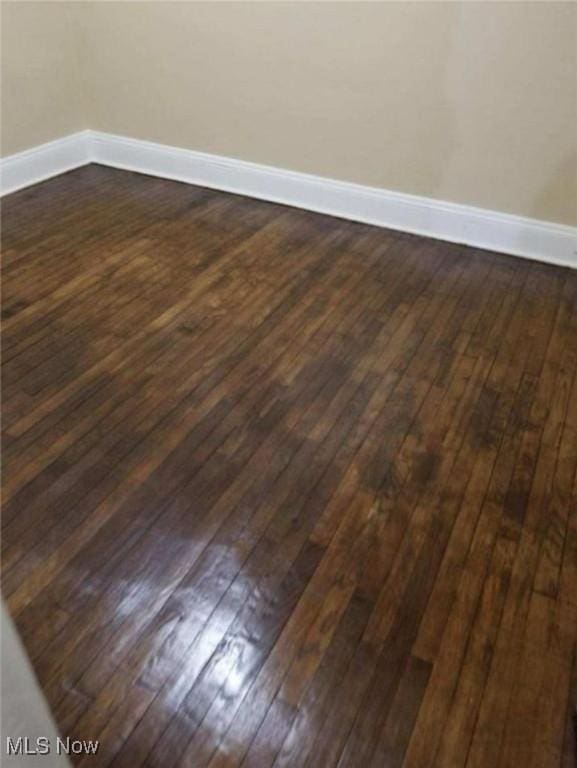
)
(24, 712)
(469, 102)
(42, 93)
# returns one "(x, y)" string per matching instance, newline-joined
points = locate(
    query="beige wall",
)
(469, 102)
(42, 96)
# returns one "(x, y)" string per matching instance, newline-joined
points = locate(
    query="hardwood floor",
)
(284, 490)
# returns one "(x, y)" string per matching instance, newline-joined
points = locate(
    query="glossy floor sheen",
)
(285, 490)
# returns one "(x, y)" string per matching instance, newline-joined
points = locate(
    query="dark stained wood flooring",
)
(284, 490)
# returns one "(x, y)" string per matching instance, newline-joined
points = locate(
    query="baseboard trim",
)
(44, 161)
(490, 230)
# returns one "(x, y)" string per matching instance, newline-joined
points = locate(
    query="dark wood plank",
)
(284, 490)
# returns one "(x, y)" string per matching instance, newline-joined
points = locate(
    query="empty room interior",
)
(289, 384)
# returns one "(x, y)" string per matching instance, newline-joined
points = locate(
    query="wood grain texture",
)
(283, 490)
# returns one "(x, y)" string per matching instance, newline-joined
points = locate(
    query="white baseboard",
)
(491, 230)
(44, 161)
